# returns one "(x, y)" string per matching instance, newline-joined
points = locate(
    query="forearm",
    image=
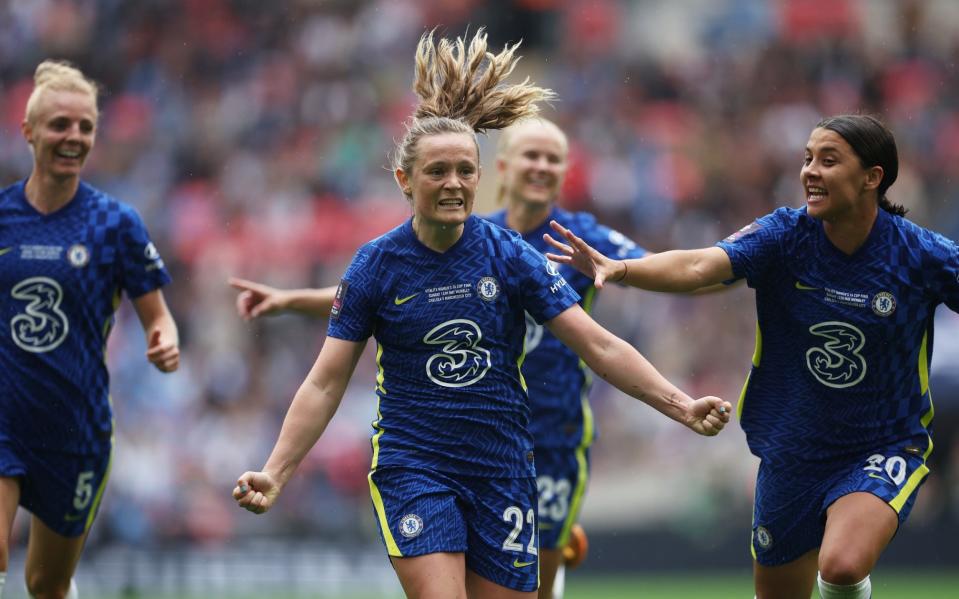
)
(310, 412)
(626, 369)
(676, 271)
(314, 302)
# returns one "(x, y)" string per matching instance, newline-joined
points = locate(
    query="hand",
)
(583, 257)
(163, 354)
(256, 491)
(256, 299)
(708, 415)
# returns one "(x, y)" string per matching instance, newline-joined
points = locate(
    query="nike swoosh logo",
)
(519, 564)
(4, 251)
(399, 301)
(802, 287)
(871, 475)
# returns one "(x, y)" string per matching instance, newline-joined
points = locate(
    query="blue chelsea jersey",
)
(61, 276)
(449, 330)
(844, 342)
(558, 380)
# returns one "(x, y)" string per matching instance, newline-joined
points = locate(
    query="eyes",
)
(825, 161)
(62, 123)
(439, 171)
(534, 156)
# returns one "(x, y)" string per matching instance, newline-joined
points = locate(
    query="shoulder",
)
(108, 210)
(928, 241)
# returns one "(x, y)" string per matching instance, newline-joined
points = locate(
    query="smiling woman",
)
(72, 249)
(837, 403)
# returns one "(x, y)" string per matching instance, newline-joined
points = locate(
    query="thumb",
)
(154, 338)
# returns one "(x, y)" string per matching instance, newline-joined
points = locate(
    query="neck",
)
(48, 194)
(850, 231)
(437, 237)
(524, 217)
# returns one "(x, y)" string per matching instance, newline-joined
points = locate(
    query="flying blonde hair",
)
(58, 75)
(461, 90)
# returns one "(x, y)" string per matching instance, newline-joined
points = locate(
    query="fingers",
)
(165, 357)
(244, 284)
(248, 497)
(558, 244)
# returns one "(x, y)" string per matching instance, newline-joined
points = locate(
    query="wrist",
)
(622, 277)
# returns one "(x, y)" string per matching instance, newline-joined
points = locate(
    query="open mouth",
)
(815, 194)
(452, 203)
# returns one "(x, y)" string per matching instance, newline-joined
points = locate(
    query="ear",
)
(874, 175)
(500, 166)
(27, 130)
(403, 181)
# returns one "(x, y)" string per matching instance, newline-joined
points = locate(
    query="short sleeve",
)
(545, 293)
(354, 306)
(756, 247)
(141, 268)
(947, 276)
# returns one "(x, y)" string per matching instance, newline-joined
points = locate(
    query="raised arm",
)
(163, 340)
(310, 412)
(256, 299)
(619, 363)
(676, 271)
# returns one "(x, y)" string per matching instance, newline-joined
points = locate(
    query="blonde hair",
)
(458, 95)
(58, 75)
(509, 135)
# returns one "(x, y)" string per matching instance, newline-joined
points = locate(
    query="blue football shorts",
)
(561, 478)
(789, 513)
(63, 490)
(491, 520)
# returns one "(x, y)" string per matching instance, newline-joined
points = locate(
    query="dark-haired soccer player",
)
(837, 404)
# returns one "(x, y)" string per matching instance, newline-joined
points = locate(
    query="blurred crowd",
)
(253, 137)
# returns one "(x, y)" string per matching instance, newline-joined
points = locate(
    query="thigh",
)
(64, 490)
(51, 557)
(859, 526)
(433, 576)
(9, 499)
(502, 532)
(793, 580)
(561, 477)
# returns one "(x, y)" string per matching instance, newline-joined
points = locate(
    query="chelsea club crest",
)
(78, 255)
(411, 526)
(883, 303)
(488, 289)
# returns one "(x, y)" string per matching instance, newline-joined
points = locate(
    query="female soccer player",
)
(837, 404)
(531, 163)
(67, 250)
(444, 294)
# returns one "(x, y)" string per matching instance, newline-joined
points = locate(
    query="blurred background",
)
(253, 138)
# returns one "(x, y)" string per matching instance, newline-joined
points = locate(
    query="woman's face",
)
(62, 132)
(833, 177)
(443, 180)
(534, 164)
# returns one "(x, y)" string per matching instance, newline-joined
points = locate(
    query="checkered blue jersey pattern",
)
(557, 379)
(449, 329)
(61, 277)
(844, 341)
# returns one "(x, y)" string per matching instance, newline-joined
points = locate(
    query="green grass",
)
(886, 585)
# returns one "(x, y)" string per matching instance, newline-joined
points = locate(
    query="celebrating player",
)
(837, 404)
(67, 250)
(531, 163)
(444, 294)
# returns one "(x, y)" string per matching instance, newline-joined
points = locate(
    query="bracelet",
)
(625, 272)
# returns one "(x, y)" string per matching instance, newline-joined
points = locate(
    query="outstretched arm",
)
(256, 299)
(619, 363)
(310, 412)
(676, 271)
(163, 341)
